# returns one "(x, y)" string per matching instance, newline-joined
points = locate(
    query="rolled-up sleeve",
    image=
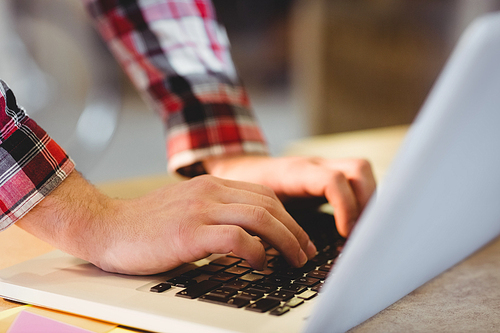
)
(31, 163)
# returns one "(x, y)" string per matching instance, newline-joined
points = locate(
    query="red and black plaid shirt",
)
(31, 163)
(178, 57)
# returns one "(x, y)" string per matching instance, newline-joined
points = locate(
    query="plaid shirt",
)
(31, 163)
(178, 57)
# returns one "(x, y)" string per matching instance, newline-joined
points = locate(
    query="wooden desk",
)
(464, 299)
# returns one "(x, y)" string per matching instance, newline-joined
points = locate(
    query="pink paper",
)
(29, 322)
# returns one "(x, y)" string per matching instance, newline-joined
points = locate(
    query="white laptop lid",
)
(440, 200)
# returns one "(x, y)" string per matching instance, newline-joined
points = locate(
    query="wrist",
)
(224, 166)
(71, 218)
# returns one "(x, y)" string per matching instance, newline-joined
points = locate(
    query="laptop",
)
(437, 205)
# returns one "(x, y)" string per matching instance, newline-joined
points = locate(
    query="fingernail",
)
(302, 258)
(311, 249)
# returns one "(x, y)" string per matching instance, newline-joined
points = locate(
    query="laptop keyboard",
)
(230, 281)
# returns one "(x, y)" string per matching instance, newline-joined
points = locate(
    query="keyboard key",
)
(290, 273)
(294, 302)
(191, 274)
(250, 277)
(238, 302)
(266, 271)
(264, 287)
(282, 295)
(223, 277)
(211, 269)
(237, 284)
(213, 299)
(307, 281)
(307, 295)
(325, 267)
(237, 270)
(277, 262)
(245, 264)
(225, 261)
(251, 294)
(196, 290)
(331, 254)
(309, 266)
(317, 287)
(263, 305)
(294, 287)
(232, 255)
(317, 274)
(159, 288)
(223, 292)
(280, 310)
(319, 260)
(181, 281)
(277, 280)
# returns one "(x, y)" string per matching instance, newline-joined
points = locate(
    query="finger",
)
(360, 175)
(222, 239)
(349, 187)
(258, 221)
(319, 180)
(313, 178)
(343, 200)
(255, 188)
(276, 209)
(243, 194)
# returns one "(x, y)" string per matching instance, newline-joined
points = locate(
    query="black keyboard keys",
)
(307, 281)
(282, 295)
(296, 288)
(159, 288)
(238, 284)
(211, 269)
(198, 289)
(181, 281)
(263, 305)
(318, 274)
(294, 302)
(307, 295)
(230, 281)
(237, 302)
(251, 294)
(280, 310)
(222, 294)
(223, 277)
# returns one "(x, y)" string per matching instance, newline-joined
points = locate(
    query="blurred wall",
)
(350, 64)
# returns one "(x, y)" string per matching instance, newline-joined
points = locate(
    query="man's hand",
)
(173, 225)
(347, 184)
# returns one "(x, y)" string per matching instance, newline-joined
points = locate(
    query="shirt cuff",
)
(33, 165)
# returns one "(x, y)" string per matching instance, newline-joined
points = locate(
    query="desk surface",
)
(466, 298)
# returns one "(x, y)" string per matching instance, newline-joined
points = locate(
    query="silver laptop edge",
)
(439, 201)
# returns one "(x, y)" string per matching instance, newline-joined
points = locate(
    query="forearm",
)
(187, 77)
(72, 218)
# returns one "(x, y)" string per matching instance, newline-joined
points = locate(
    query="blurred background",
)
(311, 67)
